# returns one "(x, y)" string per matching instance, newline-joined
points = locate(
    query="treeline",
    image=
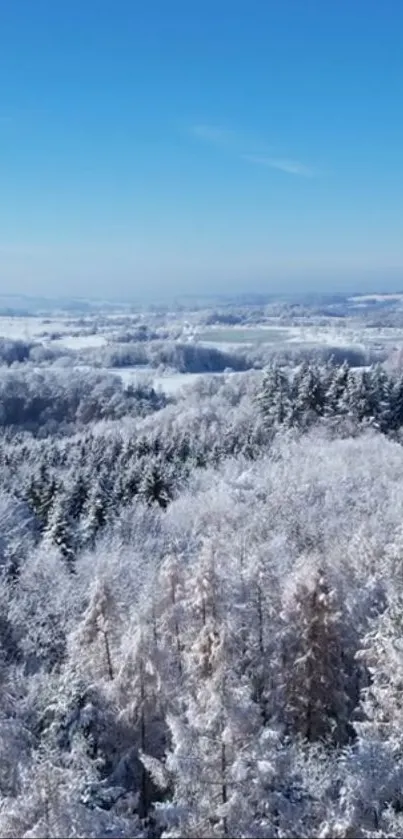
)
(293, 354)
(193, 357)
(315, 392)
(57, 402)
(182, 357)
(76, 489)
(140, 348)
(15, 352)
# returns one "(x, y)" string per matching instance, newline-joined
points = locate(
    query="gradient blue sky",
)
(190, 145)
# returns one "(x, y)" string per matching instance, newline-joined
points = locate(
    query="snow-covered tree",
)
(59, 533)
(93, 642)
(314, 661)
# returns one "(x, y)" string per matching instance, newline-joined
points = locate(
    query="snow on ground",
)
(350, 334)
(259, 334)
(80, 342)
(170, 383)
(326, 336)
(28, 329)
(41, 330)
(226, 346)
(368, 298)
(333, 335)
(225, 338)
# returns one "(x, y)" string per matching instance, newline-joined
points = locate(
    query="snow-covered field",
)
(42, 329)
(234, 335)
(80, 342)
(340, 334)
(96, 331)
(30, 328)
(170, 383)
(376, 298)
(66, 333)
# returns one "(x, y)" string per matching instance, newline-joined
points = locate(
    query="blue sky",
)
(193, 145)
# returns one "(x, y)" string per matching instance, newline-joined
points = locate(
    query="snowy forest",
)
(201, 594)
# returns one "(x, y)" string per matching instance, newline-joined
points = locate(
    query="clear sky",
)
(190, 145)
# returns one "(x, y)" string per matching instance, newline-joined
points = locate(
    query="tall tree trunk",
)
(108, 656)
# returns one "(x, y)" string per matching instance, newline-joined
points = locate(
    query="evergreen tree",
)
(274, 396)
(335, 394)
(59, 533)
(155, 486)
(316, 703)
(381, 390)
(307, 401)
(41, 494)
(77, 497)
(95, 515)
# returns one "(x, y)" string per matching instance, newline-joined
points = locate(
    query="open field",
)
(246, 335)
(174, 348)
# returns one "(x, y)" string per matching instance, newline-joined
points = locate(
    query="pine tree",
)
(307, 399)
(380, 397)
(92, 644)
(219, 719)
(95, 516)
(215, 714)
(52, 803)
(41, 495)
(357, 397)
(59, 533)
(396, 418)
(316, 704)
(139, 697)
(155, 486)
(274, 396)
(77, 498)
(335, 394)
(169, 614)
(382, 654)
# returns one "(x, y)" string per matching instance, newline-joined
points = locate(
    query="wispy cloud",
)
(212, 134)
(240, 145)
(291, 167)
